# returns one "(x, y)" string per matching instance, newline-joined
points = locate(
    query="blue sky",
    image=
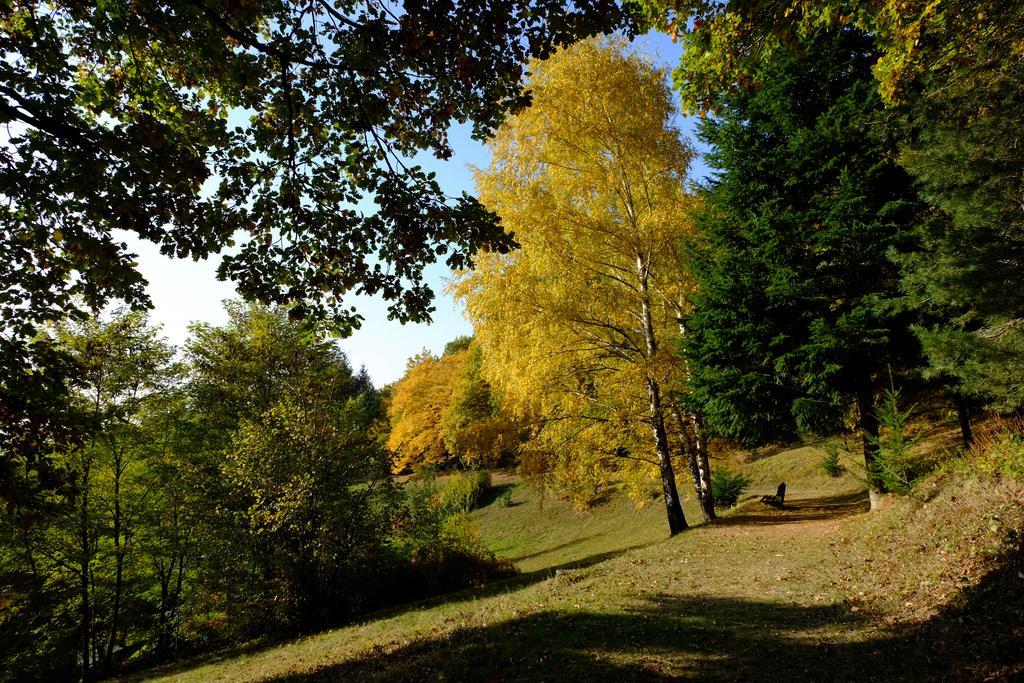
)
(187, 291)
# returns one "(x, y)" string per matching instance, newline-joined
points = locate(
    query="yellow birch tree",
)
(442, 414)
(579, 326)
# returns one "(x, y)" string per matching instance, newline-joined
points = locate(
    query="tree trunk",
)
(172, 623)
(869, 441)
(686, 446)
(115, 613)
(97, 646)
(162, 639)
(673, 507)
(37, 580)
(963, 412)
(700, 450)
(86, 612)
(707, 498)
(694, 450)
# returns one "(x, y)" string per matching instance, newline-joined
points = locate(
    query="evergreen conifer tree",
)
(792, 326)
(966, 154)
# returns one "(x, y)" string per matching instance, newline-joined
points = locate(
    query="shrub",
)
(437, 548)
(998, 450)
(505, 499)
(894, 467)
(436, 517)
(830, 461)
(727, 487)
(464, 490)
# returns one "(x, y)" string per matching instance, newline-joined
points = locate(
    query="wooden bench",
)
(778, 500)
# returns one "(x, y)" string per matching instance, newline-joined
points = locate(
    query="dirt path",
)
(806, 516)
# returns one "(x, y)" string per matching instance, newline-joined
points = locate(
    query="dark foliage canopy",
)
(804, 210)
(965, 152)
(265, 127)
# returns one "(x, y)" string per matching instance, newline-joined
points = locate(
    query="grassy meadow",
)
(926, 588)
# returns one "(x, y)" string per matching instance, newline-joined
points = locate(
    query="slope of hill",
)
(927, 588)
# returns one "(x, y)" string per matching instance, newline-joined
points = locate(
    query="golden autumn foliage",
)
(475, 429)
(579, 325)
(442, 413)
(417, 409)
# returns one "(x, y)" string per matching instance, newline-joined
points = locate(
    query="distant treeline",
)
(237, 489)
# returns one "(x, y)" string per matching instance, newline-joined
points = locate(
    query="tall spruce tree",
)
(967, 155)
(791, 330)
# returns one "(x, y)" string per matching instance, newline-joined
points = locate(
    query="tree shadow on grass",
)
(507, 585)
(554, 548)
(718, 639)
(493, 493)
(798, 510)
(668, 637)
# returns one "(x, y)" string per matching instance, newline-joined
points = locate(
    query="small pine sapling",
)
(895, 443)
(830, 461)
(727, 487)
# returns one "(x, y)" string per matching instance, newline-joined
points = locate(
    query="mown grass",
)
(928, 588)
(539, 532)
(801, 469)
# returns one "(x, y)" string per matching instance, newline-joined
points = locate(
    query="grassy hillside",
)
(544, 533)
(541, 533)
(926, 588)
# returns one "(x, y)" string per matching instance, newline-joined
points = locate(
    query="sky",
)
(188, 291)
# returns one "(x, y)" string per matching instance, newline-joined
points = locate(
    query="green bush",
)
(830, 461)
(894, 467)
(997, 451)
(435, 516)
(1007, 457)
(436, 546)
(464, 490)
(727, 487)
(505, 499)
